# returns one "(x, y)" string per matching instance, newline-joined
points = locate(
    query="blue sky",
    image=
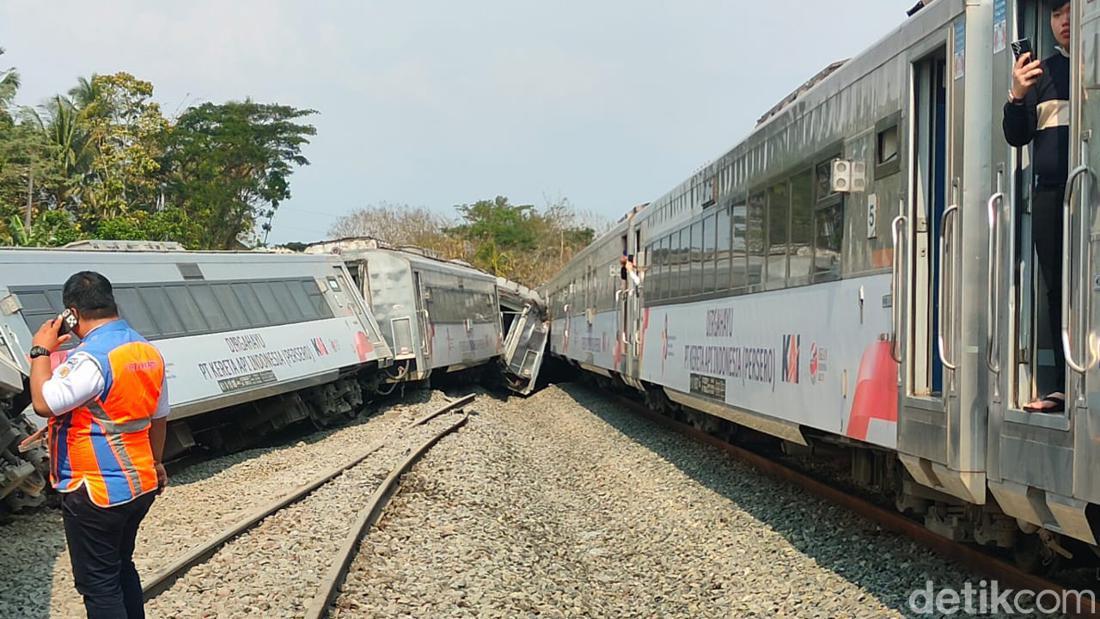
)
(435, 103)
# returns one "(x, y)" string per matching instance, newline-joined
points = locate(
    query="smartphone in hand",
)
(1021, 47)
(68, 322)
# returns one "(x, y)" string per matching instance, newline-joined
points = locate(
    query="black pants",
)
(101, 548)
(1046, 233)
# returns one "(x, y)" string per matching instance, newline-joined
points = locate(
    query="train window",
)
(824, 183)
(722, 255)
(210, 308)
(695, 283)
(887, 146)
(187, 309)
(756, 219)
(234, 311)
(316, 298)
(254, 310)
(779, 203)
(709, 236)
(802, 227)
(829, 235)
(286, 300)
(270, 304)
(738, 253)
(160, 308)
(133, 310)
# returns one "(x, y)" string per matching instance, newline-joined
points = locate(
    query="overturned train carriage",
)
(437, 316)
(253, 341)
(858, 272)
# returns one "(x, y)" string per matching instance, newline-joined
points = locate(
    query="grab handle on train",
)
(895, 304)
(948, 215)
(1067, 245)
(992, 320)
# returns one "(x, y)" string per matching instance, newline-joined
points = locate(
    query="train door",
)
(524, 348)
(1043, 465)
(940, 244)
(424, 322)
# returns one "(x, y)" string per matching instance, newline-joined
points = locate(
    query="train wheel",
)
(1032, 555)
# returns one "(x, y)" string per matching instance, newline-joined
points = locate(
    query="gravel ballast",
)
(563, 504)
(200, 501)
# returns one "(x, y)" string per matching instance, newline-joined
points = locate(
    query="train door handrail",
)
(1067, 265)
(949, 214)
(993, 269)
(895, 309)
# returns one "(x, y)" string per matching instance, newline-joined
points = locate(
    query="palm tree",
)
(9, 85)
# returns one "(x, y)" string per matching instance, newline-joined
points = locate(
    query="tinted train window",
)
(779, 202)
(161, 310)
(722, 268)
(210, 308)
(271, 305)
(802, 227)
(709, 236)
(286, 302)
(232, 307)
(756, 242)
(254, 312)
(133, 309)
(187, 309)
(313, 292)
(738, 254)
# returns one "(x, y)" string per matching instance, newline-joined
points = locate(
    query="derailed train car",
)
(437, 316)
(857, 273)
(254, 341)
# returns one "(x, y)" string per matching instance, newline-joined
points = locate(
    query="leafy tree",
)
(125, 131)
(229, 166)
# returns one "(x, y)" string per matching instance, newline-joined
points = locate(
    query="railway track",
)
(971, 557)
(328, 585)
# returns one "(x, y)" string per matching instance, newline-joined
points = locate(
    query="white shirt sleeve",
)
(163, 405)
(634, 277)
(73, 383)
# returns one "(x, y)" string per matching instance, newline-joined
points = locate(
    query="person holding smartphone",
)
(1037, 112)
(107, 406)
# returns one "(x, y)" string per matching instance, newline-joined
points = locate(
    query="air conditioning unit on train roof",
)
(102, 245)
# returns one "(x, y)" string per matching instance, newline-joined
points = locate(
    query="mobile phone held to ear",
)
(68, 322)
(1021, 47)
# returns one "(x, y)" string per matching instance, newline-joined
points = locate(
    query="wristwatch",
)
(38, 351)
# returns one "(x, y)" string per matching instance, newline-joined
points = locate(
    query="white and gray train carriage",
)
(858, 271)
(436, 315)
(275, 338)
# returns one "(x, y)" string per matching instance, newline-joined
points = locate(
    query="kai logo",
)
(790, 359)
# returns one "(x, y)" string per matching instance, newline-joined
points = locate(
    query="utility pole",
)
(30, 196)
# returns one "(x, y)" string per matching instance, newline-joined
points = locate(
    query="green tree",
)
(125, 132)
(229, 166)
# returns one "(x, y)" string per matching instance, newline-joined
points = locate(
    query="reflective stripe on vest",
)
(104, 444)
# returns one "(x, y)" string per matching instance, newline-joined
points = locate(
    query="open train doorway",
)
(934, 224)
(1038, 361)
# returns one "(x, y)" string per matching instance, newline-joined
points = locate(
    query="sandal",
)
(1052, 403)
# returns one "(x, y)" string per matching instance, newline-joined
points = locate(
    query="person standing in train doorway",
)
(1038, 110)
(107, 406)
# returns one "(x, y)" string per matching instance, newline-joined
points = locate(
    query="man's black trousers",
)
(1046, 232)
(101, 548)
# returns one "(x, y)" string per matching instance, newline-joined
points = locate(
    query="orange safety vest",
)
(104, 444)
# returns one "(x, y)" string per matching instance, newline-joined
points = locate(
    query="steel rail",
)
(162, 579)
(368, 516)
(968, 556)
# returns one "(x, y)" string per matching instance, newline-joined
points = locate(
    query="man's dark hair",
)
(90, 294)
